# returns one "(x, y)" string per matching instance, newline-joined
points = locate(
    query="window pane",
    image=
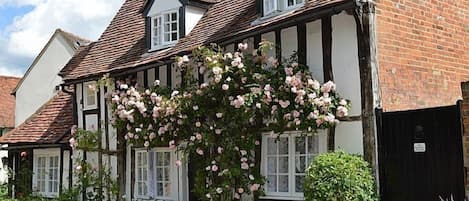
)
(300, 145)
(313, 144)
(167, 189)
(166, 174)
(299, 183)
(174, 37)
(159, 174)
(283, 145)
(174, 17)
(166, 158)
(291, 2)
(166, 17)
(283, 164)
(174, 27)
(166, 37)
(159, 189)
(300, 164)
(283, 183)
(272, 183)
(271, 146)
(167, 27)
(272, 165)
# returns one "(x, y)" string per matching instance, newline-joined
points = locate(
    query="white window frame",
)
(47, 154)
(280, 6)
(175, 172)
(87, 92)
(291, 194)
(295, 4)
(266, 8)
(160, 35)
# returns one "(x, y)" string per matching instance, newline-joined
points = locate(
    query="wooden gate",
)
(420, 154)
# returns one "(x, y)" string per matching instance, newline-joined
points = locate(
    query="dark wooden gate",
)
(420, 154)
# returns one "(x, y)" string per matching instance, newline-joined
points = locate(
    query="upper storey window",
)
(164, 29)
(272, 6)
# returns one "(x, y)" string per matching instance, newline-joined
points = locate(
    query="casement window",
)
(156, 175)
(46, 174)
(294, 3)
(270, 6)
(164, 30)
(90, 96)
(285, 160)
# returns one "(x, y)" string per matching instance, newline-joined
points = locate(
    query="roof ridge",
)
(74, 37)
(9, 77)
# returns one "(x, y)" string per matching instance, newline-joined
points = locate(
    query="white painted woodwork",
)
(66, 169)
(79, 94)
(162, 6)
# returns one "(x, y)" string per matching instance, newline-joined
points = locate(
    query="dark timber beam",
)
(326, 31)
(302, 49)
(364, 18)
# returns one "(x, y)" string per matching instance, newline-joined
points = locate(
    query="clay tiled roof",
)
(7, 106)
(122, 45)
(49, 125)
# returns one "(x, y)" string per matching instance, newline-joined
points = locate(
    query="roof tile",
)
(7, 106)
(49, 125)
(122, 45)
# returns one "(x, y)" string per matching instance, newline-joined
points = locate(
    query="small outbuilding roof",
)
(50, 124)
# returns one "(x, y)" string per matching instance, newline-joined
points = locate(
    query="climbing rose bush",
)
(220, 123)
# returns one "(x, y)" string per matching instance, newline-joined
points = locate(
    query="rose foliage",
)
(220, 122)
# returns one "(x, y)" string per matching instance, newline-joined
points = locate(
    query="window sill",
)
(275, 14)
(162, 47)
(271, 197)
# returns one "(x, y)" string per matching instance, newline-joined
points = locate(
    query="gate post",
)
(465, 127)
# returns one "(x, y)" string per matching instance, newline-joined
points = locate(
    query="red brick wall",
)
(465, 115)
(423, 52)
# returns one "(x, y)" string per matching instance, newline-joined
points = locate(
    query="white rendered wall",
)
(163, 5)
(271, 38)
(38, 86)
(289, 42)
(192, 17)
(345, 59)
(349, 137)
(314, 49)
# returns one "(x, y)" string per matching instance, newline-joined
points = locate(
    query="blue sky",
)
(9, 12)
(27, 25)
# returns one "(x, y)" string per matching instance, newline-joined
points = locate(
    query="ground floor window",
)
(284, 161)
(156, 175)
(46, 173)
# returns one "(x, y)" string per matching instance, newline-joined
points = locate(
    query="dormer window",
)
(273, 6)
(164, 29)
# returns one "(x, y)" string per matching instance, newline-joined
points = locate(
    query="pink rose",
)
(214, 168)
(255, 187)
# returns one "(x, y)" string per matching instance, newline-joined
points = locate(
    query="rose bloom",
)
(214, 168)
(244, 166)
(225, 87)
(255, 187)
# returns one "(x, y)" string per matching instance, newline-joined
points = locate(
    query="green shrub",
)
(339, 177)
